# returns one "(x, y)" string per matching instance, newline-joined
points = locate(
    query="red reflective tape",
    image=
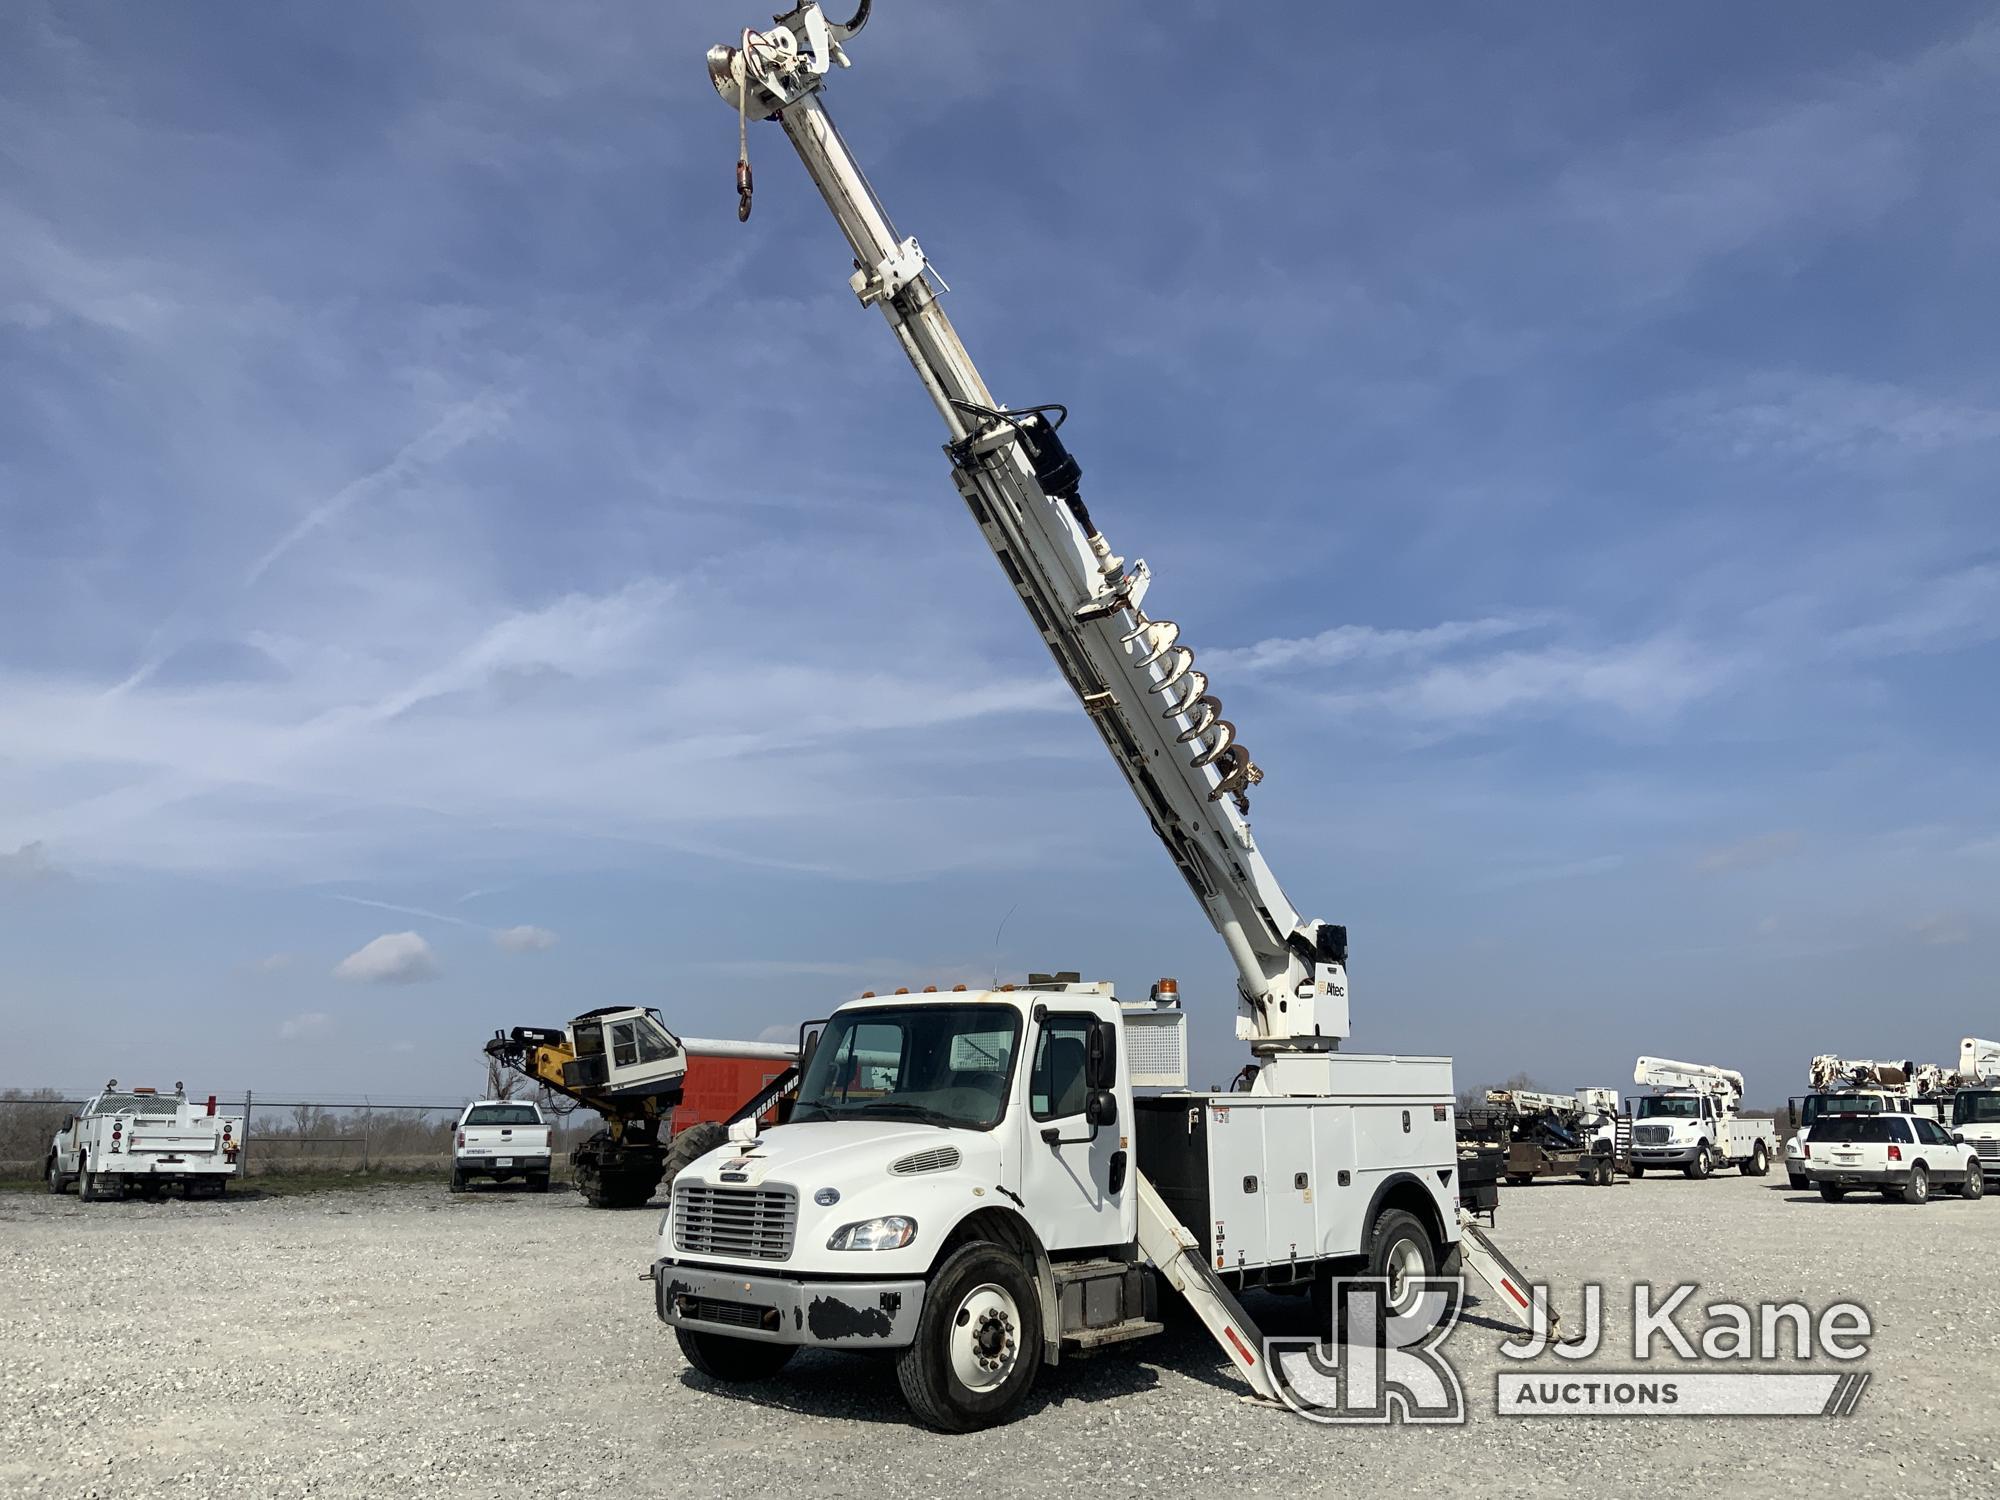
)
(1513, 1291)
(1248, 1357)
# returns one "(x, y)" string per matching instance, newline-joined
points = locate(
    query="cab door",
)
(1076, 1178)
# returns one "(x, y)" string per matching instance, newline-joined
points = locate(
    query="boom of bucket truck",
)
(1690, 1121)
(968, 1179)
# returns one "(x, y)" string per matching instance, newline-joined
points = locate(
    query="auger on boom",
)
(973, 1180)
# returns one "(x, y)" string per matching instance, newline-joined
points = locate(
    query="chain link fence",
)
(287, 1136)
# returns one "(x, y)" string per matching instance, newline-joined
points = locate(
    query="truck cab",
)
(1975, 1119)
(960, 1183)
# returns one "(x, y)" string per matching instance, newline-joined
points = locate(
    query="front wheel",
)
(733, 1361)
(1918, 1188)
(55, 1176)
(978, 1342)
(1974, 1186)
(1637, 1169)
(1701, 1166)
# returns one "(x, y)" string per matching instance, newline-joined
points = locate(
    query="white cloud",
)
(1941, 929)
(305, 1026)
(1750, 853)
(29, 864)
(271, 963)
(1350, 643)
(393, 958)
(525, 939)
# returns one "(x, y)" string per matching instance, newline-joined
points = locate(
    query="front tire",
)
(978, 1343)
(1974, 1186)
(1701, 1166)
(56, 1183)
(733, 1361)
(1918, 1188)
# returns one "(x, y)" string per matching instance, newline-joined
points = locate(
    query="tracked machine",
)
(664, 1100)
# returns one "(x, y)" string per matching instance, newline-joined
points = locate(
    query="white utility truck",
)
(969, 1179)
(501, 1139)
(1854, 1086)
(1561, 1135)
(1975, 1103)
(141, 1141)
(1690, 1121)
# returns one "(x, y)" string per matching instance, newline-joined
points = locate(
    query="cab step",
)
(1086, 1339)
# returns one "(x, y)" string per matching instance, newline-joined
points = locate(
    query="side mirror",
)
(1959, 1136)
(1792, 1115)
(1100, 1055)
(1100, 1108)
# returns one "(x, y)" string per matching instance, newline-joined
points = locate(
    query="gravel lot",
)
(402, 1341)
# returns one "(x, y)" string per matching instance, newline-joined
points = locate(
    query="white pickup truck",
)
(141, 1141)
(501, 1139)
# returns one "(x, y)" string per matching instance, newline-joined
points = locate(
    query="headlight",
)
(890, 1233)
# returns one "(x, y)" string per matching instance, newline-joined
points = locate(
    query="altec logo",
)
(1385, 1362)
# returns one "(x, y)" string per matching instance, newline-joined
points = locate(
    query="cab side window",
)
(1056, 1085)
(624, 1046)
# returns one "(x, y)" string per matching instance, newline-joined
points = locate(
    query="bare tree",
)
(502, 1082)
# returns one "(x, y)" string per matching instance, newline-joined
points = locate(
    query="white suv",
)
(1901, 1155)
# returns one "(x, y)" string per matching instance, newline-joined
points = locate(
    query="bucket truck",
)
(1975, 1103)
(971, 1181)
(1855, 1086)
(662, 1097)
(1690, 1121)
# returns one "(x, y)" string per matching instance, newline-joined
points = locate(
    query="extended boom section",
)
(1139, 685)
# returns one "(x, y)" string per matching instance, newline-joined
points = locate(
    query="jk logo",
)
(1380, 1362)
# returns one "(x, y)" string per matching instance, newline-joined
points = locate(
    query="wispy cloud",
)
(1750, 853)
(1942, 929)
(393, 958)
(305, 1027)
(407, 911)
(29, 865)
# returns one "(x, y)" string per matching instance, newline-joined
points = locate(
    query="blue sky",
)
(1567, 435)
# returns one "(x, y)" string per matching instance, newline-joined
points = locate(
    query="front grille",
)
(1652, 1135)
(756, 1223)
(729, 1314)
(937, 1159)
(1988, 1150)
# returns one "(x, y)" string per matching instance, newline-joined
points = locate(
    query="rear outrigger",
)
(972, 1180)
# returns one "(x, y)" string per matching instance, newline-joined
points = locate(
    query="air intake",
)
(939, 1159)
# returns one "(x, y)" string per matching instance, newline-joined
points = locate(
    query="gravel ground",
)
(402, 1341)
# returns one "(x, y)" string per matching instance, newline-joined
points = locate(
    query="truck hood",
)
(848, 1172)
(845, 1155)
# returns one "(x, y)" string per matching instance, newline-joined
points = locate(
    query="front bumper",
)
(823, 1314)
(1665, 1156)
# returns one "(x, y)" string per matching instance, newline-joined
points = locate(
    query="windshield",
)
(1670, 1109)
(945, 1064)
(503, 1114)
(1838, 1104)
(1982, 1108)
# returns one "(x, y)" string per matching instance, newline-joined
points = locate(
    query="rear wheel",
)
(1831, 1193)
(733, 1361)
(1799, 1181)
(1974, 1185)
(1400, 1249)
(457, 1180)
(539, 1183)
(978, 1343)
(1918, 1188)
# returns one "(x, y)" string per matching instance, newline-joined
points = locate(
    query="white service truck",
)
(970, 1180)
(501, 1140)
(138, 1140)
(1975, 1103)
(1690, 1121)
